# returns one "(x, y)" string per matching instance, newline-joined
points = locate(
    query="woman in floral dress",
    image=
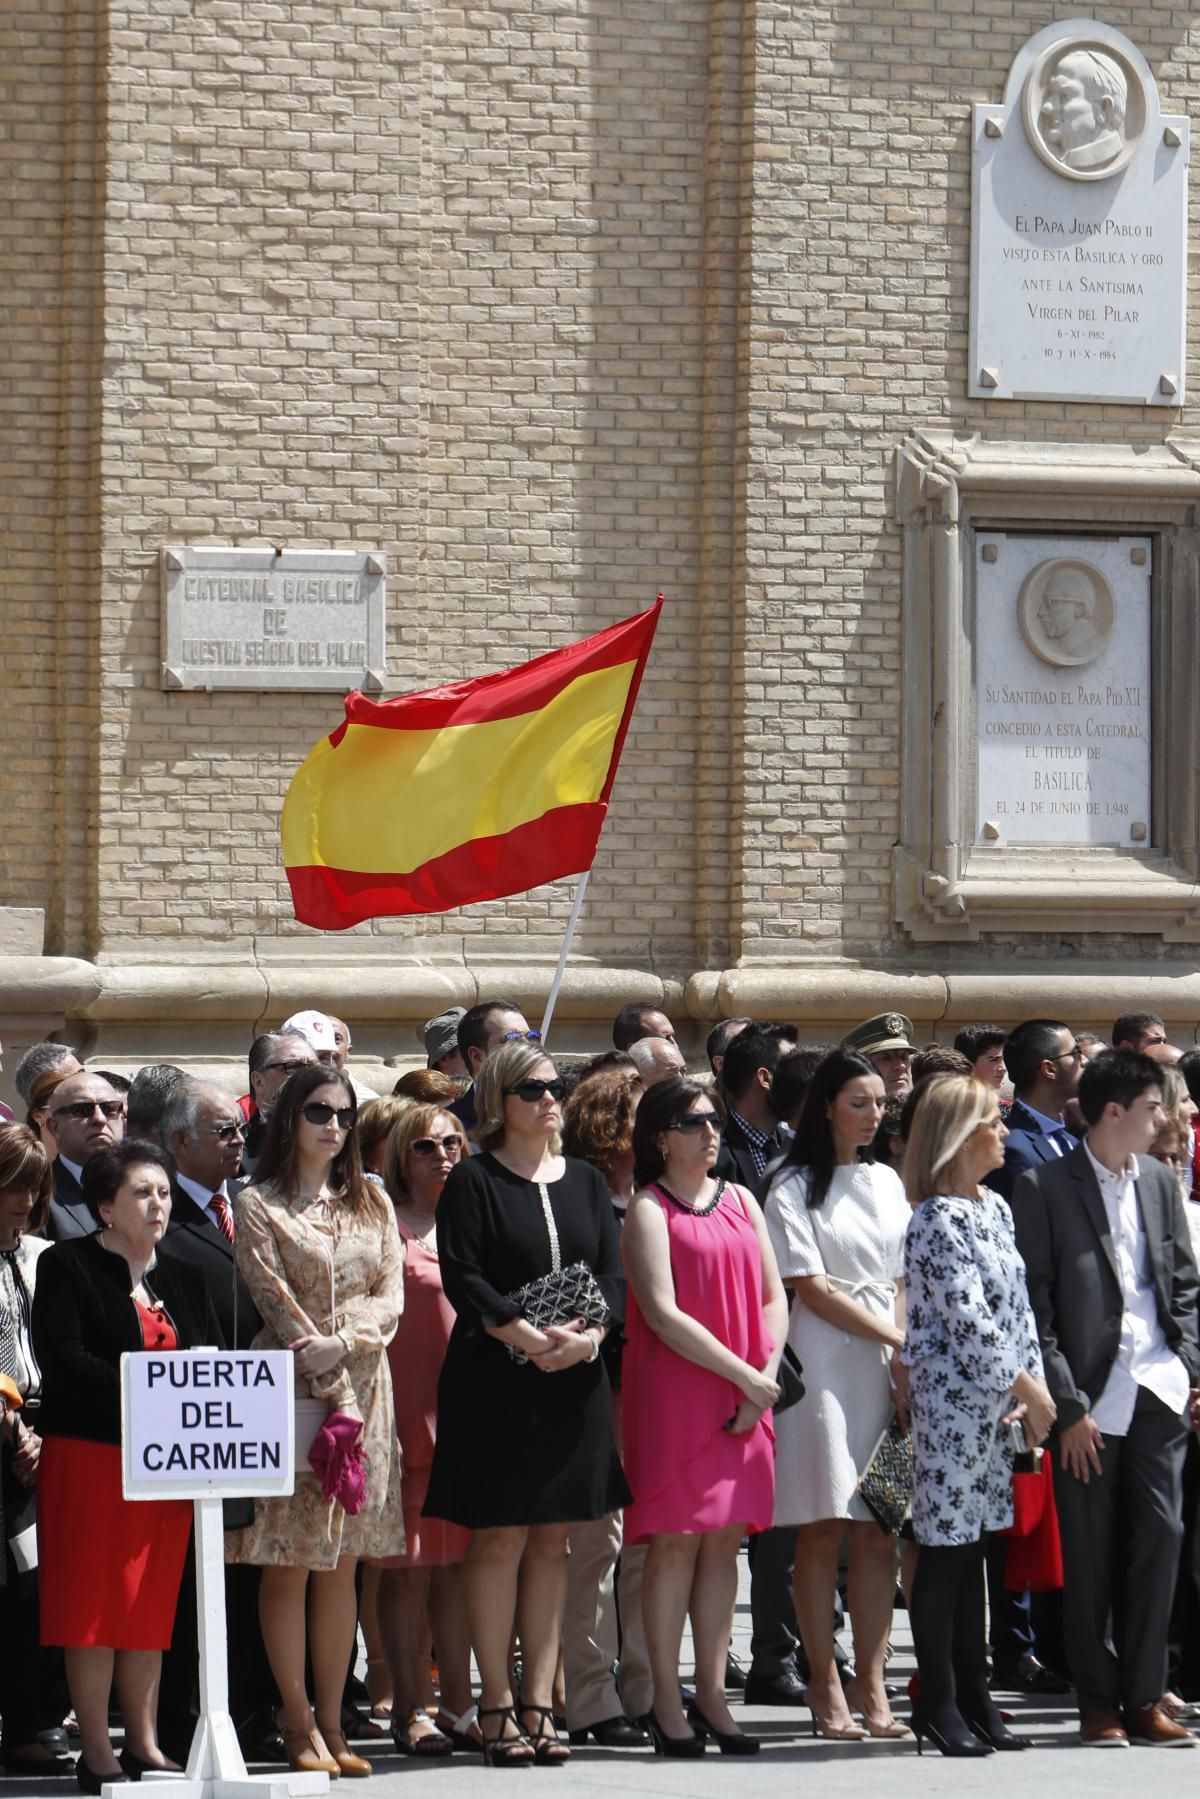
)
(318, 1248)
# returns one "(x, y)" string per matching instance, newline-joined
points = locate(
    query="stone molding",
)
(947, 486)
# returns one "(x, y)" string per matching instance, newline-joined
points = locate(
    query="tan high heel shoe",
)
(308, 1753)
(357, 1767)
(887, 1726)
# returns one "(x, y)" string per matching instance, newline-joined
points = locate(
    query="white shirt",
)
(75, 1168)
(203, 1196)
(1143, 1357)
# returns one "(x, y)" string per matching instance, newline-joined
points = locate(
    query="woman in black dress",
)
(524, 1449)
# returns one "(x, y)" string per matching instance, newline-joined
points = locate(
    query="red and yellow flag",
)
(465, 792)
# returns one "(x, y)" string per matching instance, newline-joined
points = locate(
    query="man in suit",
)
(204, 1130)
(1044, 1063)
(86, 1116)
(1114, 1290)
(752, 1135)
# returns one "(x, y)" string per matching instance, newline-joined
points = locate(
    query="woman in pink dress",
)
(421, 1592)
(707, 1319)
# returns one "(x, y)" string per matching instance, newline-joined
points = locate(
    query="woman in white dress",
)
(837, 1226)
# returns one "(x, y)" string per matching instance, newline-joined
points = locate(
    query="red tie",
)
(224, 1217)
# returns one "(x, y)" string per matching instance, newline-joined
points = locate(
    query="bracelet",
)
(595, 1345)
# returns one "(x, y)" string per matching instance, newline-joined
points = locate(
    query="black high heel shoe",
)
(729, 1742)
(681, 1747)
(946, 1739)
(996, 1737)
(91, 1782)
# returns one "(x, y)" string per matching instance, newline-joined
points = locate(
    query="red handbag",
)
(1034, 1558)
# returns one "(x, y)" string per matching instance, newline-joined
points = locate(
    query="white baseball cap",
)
(314, 1027)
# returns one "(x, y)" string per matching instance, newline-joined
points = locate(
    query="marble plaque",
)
(1079, 228)
(274, 618)
(1062, 690)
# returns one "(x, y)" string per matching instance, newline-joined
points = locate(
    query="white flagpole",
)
(556, 983)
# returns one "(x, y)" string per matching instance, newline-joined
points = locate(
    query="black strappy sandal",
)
(549, 1750)
(498, 1751)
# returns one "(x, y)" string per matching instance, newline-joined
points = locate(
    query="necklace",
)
(696, 1211)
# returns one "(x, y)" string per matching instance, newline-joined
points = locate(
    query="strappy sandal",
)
(463, 1731)
(430, 1744)
(549, 1751)
(501, 1751)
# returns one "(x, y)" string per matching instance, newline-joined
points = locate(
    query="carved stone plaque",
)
(1062, 690)
(274, 618)
(1079, 228)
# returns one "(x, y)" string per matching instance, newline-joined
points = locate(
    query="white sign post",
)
(209, 1425)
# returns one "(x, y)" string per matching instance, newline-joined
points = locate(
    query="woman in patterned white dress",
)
(318, 1248)
(972, 1348)
(837, 1228)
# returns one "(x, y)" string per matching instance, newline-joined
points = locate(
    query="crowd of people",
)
(570, 1336)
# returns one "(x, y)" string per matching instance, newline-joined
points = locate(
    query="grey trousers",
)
(1120, 1542)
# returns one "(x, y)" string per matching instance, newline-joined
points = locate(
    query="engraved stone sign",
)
(274, 618)
(1079, 227)
(1062, 690)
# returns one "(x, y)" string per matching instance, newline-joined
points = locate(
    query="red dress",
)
(416, 1354)
(687, 1472)
(117, 1563)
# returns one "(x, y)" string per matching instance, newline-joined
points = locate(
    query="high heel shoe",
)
(680, 1747)
(945, 1739)
(91, 1782)
(357, 1767)
(501, 1751)
(135, 1767)
(835, 1733)
(308, 1753)
(888, 1727)
(729, 1742)
(996, 1738)
(549, 1750)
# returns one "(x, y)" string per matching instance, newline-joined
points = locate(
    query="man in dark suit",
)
(751, 1136)
(1044, 1063)
(86, 1116)
(204, 1130)
(1114, 1290)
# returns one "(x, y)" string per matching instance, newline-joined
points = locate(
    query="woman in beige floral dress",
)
(318, 1248)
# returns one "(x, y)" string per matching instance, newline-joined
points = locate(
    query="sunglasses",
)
(692, 1122)
(317, 1112)
(450, 1145)
(288, 1067)
(225, 1133)
(521, 1037)
(83, 1108)
(531, 1091)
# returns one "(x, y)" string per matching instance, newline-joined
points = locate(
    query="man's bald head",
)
(80, 1125)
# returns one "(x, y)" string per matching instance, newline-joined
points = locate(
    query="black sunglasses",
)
(696, 1121)
(531, 1091)
(83, 1108)
(317, 1112)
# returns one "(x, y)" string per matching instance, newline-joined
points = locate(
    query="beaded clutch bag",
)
(887, 1481)
(561, 1295)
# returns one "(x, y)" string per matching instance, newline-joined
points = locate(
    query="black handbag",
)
(561, 1295)
(887, 1482)
(790, 1376)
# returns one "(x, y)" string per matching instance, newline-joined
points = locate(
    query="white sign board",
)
(1062, 689)
(292, 619)
(1079, 228)
(207, 1424)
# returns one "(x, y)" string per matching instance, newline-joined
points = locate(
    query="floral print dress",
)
(970, 1332)
(314, 1267)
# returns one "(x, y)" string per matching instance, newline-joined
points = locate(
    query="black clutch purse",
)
(887, 1482)
(790, 1376)
(561, 1295)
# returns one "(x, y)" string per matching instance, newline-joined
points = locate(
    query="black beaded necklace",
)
(696, 1211)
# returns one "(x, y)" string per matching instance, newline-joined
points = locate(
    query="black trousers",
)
(251, 1687)
(1120, 1541)
(774, 1638)
(33, 1682)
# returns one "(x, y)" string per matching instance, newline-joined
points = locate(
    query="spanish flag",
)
(465, 792)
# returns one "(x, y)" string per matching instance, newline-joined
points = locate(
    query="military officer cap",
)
(889, 1031)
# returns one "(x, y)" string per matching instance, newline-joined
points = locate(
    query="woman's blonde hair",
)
(376, 1122)
(417, 1121)
(950, 1108)
(504, 1068)
(1174, 1092)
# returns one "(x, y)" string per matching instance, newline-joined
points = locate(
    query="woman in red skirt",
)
(110, 1569)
